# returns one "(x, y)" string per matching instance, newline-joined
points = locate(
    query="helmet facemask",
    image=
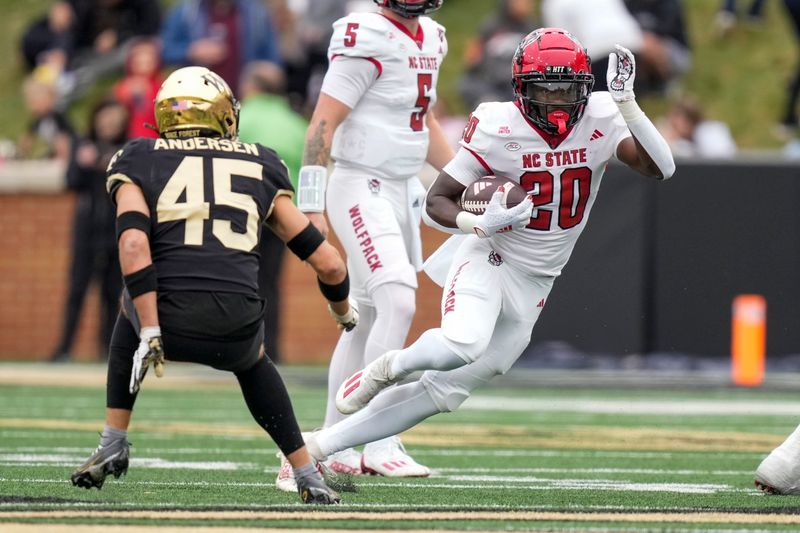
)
(412, 8)
(554, 103)
(552, 79)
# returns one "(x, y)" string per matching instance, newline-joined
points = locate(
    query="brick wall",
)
(35, 233)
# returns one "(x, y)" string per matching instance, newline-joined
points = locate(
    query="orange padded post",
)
(748, 340)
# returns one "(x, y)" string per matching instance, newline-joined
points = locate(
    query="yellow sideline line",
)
(502, 436)
(72, 376)
(65, 528)
(69, 528)
(319, 515)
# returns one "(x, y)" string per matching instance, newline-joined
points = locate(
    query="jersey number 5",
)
(350, 35)
(194, 209)
(424, 84)
(575, 189)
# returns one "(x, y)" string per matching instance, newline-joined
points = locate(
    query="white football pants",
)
(379, 230)
(489, 309)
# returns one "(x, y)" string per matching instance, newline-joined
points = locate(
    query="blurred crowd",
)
(273, 53)
(78, 42)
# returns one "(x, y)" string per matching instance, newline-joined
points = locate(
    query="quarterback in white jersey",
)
(374, 119)
(555, 140)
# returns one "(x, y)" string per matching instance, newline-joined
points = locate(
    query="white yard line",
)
(320, 516)
(499, 483)
(635, 406)
(63, 459)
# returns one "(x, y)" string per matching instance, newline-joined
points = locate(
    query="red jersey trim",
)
(480, 160)
(370, 59)
(552, 140)
(419, 38)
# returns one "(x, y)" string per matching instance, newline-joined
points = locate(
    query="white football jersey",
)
(387, 130)
(563, 180)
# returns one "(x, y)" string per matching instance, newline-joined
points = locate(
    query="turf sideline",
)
(320, 515)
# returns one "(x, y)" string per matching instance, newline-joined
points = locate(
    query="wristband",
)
(466, 222)
(141, 281)
(335, 293)
(148, 332)
(630, 110)
(311, 183)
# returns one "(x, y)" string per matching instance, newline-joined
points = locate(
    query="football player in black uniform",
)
(190, 207)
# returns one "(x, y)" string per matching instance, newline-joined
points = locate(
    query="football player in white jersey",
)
(375, 120)
(555, 140)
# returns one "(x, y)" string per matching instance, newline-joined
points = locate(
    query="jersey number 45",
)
(194, 209)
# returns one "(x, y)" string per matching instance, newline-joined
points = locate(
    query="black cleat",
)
(112, 459)
(316, 492)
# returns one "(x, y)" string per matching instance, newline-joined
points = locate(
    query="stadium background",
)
(740, 80)
(570, 450)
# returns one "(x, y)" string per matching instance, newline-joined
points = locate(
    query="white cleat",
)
(345, 462)
(357, 390)
(779, 472)
(388, 457)
(285, 480)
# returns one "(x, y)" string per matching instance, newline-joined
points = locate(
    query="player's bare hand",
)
(621, 73)
(498, 219)
(150, 350)
(319, 221)
(349, 319)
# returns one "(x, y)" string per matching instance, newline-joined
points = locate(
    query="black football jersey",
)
(208, 199)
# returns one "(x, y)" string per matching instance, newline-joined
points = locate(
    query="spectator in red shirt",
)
(137, 90)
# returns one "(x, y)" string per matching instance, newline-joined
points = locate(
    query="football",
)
(477, 195)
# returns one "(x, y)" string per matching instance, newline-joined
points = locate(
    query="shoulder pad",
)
(485, 125)
(433, 28)
(275, 168)
(601, 105)
(127, 155)
(359, 35)
(127, 165)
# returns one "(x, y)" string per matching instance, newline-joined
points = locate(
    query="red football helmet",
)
(411, 8)
(552, 78)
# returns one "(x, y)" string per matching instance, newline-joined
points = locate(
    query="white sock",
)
(389, 413)
(394, 311)
(347, 359)
(429, 352)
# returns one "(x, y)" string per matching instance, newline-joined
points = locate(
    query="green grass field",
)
(529, 455)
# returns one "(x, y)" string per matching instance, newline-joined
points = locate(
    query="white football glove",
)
(347, 321)
(150, 350)
(620, 75)
(498, 219)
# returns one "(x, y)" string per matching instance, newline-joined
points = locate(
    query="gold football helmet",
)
(194, 101)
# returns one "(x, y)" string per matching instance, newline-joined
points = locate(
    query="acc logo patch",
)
(512, 146)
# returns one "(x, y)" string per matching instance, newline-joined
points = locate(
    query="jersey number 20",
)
(194, 209)
(575, 189)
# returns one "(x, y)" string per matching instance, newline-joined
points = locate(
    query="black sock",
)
(124, 342)
(269, 403)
